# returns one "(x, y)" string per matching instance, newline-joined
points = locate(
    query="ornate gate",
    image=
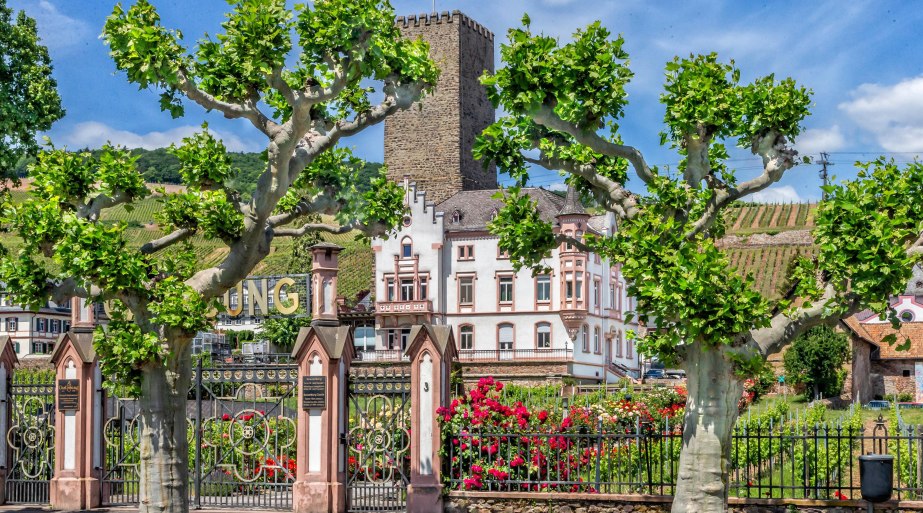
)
(242, 421)
(31, 437)
(378, 442)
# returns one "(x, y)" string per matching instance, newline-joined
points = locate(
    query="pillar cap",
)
(6, 345)
(326, 245)
(83, 344)
(336, 340)
(441, 337)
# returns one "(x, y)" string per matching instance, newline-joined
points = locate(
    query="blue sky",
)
(862, 59)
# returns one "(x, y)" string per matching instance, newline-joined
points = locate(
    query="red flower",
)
(225, 417)
(840, 496)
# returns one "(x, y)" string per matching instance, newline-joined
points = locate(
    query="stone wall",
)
(498, 502)
(520, 373)
(887, 377)
(431, 142)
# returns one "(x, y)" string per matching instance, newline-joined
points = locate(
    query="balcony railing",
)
(381, 355)
(404, 307)
(493, 355)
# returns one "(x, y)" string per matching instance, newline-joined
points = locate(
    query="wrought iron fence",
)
(783, 461)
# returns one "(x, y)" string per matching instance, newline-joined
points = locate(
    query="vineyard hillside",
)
(763, 239)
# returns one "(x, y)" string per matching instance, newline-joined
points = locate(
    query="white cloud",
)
(58, 31)
(893, 114)
(815, 140)
(93, 134)
(780, 194)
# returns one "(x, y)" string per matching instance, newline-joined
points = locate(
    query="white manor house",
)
(445, 268)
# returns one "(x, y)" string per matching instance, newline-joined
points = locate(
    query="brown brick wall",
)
(431, 142)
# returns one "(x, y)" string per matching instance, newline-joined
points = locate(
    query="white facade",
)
(33, 333)
(444, 267)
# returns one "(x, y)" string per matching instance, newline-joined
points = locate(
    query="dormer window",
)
(456, 216)
(406, 248)
(493, 214)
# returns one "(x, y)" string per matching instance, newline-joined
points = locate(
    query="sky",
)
(860, 58)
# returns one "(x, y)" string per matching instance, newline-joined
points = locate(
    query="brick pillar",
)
(324, 270)
(431, 351)
(8, 362)
(78, 433)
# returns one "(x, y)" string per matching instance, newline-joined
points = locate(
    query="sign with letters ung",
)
(68, 395)
(313, 392)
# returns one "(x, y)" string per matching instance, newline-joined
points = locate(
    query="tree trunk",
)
(163, 444)
(711, 410)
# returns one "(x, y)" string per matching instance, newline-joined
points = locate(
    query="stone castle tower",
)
(431, 143)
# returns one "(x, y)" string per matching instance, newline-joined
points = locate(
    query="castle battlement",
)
(444, 17)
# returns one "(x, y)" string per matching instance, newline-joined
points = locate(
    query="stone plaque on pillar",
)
(78, 437)
(431, 351)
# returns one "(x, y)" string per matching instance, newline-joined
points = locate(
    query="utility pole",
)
(823, 172)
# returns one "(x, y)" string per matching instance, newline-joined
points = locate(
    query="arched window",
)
(596, 347)
(586, 338)
(456, 216)
(466, 336)
(505, 336)
(543, 335)
(406, 248)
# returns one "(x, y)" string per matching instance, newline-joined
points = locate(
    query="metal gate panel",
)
(30, 437)
(241, 436)
(378, 442)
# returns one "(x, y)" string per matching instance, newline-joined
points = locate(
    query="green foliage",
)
(28, 92)
(283, 331)
(864, 228)
(124, 349)
(204, 160)
(816, 361)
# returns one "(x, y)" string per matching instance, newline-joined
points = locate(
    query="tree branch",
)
(777, 159)
(396, 97)
(312, 228)
(546, 117)
(247, 110)
(166, 241)
(620, 200)
(91, 210)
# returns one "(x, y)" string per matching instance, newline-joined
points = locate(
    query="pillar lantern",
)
(324, 270)
(431, 351)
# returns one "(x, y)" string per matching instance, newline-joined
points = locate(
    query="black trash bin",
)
(876, 473)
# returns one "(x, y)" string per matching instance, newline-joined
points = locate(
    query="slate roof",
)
(477, 208)
(572, 203)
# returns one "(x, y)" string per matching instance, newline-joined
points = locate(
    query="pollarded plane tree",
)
(305, 79)
(565, 105)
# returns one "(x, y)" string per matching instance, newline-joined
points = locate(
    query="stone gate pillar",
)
(8, 362)
(323, 354)
(431, 351)
(78, 415)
